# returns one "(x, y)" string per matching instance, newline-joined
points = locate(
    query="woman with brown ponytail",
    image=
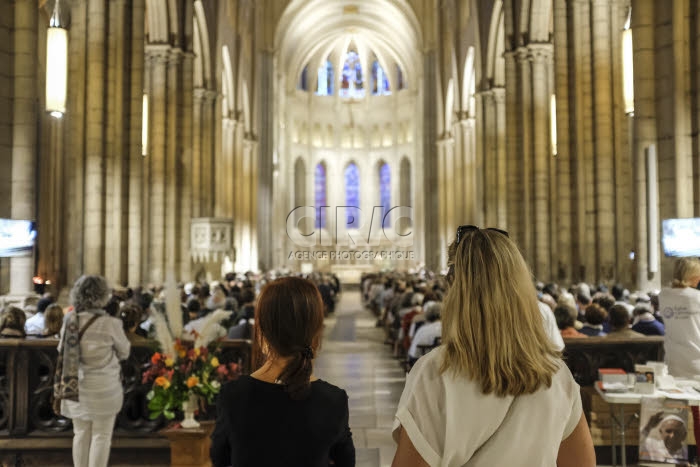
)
(281, 415)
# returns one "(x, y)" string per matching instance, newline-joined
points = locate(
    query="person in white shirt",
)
(680, 308)
(475, 400)
(35, 325)
(550, 326)
(428, 333)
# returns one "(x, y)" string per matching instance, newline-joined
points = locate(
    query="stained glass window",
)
(352, 194)
(325, 79)
(320, 195)
(352, 84)
(303, 81)
(380, 80)
(399, 74)
(385, 193)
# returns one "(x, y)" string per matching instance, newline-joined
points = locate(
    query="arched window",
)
(303, 81)
(352, 84)
(399, 78)
(385, 193)
(320, 194)
(299, 183)
(380, 80)
(352, 193)
(325, 79)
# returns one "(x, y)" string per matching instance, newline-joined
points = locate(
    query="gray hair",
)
(433, 310)
(90, 292)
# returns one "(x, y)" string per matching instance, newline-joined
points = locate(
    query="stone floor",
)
(354, 358)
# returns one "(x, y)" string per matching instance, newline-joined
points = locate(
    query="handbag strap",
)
(87, 325)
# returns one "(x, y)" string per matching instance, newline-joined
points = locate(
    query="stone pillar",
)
(264, 177)
(158, 57)
(196, 165)
(173, 157)
(501, 201)
(467, 129)
(186, 164)
(603, 152)
(207, 147)
(136, 160)
(443, 197)
(433, 254)
(525, 156)
(541, 55)
(24, 134)
(488, 155)
(564, 186)
(94, 217)
(513, 166)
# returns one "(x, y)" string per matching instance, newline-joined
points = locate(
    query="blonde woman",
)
(680, 308)
(496, 392)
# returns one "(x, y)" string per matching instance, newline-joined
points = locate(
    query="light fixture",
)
(144, 126)
(56, 65)
(553, 122)
(628, 70)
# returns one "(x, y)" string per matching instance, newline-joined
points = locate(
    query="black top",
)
(259, 425)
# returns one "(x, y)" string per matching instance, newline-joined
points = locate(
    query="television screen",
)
(16, 237)
(681, 237)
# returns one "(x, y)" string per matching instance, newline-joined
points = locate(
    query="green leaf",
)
(169, 414)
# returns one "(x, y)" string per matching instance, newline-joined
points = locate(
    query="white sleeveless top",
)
(452, 423)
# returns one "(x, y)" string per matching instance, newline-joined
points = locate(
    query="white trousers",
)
(92, 440)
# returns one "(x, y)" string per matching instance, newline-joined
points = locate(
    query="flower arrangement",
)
(193, 371)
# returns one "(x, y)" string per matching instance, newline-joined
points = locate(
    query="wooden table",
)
(189, 447)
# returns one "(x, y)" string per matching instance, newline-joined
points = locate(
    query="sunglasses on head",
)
(462, 230)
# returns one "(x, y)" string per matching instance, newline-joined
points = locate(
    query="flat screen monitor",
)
(17, 237)
(681, 237)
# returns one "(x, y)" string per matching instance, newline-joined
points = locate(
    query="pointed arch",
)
(200, 20)
(495, 62)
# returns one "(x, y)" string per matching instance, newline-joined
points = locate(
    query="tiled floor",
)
(354, 358)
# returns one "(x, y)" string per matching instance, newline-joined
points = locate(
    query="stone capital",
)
(175, 57)
(522, 54)
(467, 123)
(157, 54)
(499, 94)
(540, 53)
(199, 93)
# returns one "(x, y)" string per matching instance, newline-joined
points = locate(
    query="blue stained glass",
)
(325, 79)
(352, 83)
(385, 193)
(320, 195)
(352, 194)
(380, 80)
(303, 82)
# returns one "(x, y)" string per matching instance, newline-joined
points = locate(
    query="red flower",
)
(156, 357)
(221, 370)
(204, 352)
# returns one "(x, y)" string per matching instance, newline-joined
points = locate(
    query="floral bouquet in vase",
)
(184, 374)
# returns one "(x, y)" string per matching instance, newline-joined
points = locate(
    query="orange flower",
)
(192, 381)
(155, 358)
(163, 382)
(181, 353)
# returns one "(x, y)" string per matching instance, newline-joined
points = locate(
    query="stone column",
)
(186, 164)
(513, 211)
(94, 220)
(644, 131)
(196, 165)
(488, 155)
(604, 156)
(525, 157)
(173, 156)
(136, 160)
(564, 185)
(24, 134)
(207, 147)
(541, 55)
(499, 95)
(266, 131)
(158, 57)
(467, 128)
(433, 254)
(443, 196)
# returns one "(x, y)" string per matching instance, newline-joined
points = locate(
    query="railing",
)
(26, 387)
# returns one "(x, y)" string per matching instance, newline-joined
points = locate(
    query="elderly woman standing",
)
(102, 345)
